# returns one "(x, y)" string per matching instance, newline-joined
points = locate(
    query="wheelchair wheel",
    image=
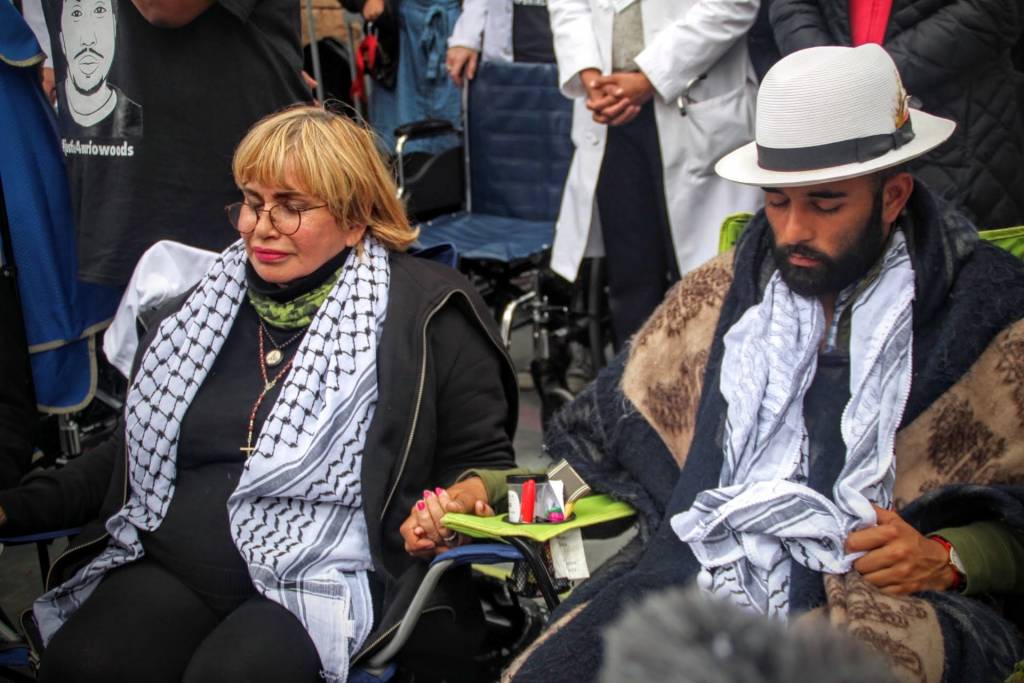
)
(572, 334)
(512, 624)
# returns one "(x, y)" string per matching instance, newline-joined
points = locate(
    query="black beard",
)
(832, 275)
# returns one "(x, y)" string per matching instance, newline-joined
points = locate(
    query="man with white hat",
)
(829, 417)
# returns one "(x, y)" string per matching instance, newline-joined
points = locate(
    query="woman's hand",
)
(461, 63)
(424, 534)
(898, 559)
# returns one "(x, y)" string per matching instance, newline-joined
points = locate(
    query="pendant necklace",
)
(276, 354)
(268, 384)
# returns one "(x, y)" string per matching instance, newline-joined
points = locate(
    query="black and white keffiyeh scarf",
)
(763, 515)
(296, 515)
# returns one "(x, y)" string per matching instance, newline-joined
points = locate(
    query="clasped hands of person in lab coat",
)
(616, 98)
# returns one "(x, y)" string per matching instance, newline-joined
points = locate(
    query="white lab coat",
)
(684, 40)
(485, 26)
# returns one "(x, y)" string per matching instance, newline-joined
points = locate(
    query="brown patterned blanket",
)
(959, 453)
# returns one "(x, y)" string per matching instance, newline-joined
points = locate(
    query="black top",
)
(159, 165)
(531, 32)
(824, 404)
(194, 540)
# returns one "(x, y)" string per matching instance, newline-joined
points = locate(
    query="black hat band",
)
(833, 154)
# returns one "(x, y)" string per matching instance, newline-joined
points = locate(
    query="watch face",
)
(954, 559)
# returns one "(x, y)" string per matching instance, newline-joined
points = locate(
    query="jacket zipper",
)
(423, 376)
(69, 551)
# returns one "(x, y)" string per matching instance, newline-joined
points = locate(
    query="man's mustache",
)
(85, 50)
(802, 250)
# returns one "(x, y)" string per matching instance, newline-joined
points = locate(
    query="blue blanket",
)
(61, 313)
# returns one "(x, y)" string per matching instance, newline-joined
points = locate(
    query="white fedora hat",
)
(831, 113)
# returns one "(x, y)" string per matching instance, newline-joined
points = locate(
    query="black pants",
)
(143, 624)
(634, 223)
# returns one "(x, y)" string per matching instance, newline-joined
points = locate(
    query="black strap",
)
(833, 153)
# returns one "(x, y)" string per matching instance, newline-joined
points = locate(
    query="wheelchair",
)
(510, 623)
(516, 153)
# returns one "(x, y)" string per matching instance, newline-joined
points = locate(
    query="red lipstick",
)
(264, 255)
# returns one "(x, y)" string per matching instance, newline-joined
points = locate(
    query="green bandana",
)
(294, 314)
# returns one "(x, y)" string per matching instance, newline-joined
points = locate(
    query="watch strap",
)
(959, 579)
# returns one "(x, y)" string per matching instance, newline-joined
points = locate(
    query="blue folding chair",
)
(517, 149)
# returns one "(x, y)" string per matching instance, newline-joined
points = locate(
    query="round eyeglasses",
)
(285, 219)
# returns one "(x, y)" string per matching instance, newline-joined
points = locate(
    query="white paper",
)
(551, 501)
(568, 557)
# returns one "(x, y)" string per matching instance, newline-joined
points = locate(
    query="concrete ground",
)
(20, 581)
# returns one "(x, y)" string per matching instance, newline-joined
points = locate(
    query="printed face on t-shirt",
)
(87, 36)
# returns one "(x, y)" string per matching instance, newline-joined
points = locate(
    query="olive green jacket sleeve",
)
(494, 481)
(993, 555)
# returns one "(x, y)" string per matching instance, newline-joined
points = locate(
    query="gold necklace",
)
(276, 354)
(268, 384)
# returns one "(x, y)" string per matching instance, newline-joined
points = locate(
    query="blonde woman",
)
(283, 418)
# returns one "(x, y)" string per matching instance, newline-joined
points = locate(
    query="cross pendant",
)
(247, 450)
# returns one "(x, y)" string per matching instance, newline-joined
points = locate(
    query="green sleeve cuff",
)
(494, 481)
(993, 555)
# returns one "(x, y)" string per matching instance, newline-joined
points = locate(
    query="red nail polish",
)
(427, 494)
(439, 490)
(420, 505)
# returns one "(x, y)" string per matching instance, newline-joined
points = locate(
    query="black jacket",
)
(447, 402)
(955, 57)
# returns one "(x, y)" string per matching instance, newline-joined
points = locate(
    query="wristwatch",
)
(955, 563)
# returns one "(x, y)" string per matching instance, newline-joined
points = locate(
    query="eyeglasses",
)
(285, 219)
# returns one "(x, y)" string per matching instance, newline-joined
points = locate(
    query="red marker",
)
(529, 496)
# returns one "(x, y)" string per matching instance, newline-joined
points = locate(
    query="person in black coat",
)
(955, 57)
(283, 417)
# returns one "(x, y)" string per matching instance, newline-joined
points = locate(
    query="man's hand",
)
(372, 9)
(424, 534)
(461, 63)
(630, 90)
(310, 84)
(900, 560)
(48, 84)
(597, 98)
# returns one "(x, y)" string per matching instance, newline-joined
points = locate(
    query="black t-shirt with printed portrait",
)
(149, 118)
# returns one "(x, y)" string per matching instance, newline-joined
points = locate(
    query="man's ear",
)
(895, 193)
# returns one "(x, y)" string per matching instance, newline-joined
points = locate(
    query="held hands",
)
(616, 99)
(424, 534)
(898, 559)
(461, 63)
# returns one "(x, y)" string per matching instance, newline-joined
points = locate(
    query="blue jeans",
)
(423, 89)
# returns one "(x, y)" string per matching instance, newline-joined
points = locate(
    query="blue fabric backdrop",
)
(61, 313)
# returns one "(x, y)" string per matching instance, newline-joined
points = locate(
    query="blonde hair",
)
(331, 158)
